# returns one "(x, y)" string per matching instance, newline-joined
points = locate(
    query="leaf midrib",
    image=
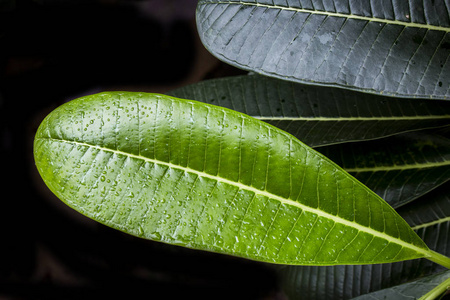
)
(399, 167)
(339, 15)
(432, 223)
(264, 193)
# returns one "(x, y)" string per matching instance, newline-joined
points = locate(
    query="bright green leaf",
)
(397, 48)
(318, 115)
(205, 177)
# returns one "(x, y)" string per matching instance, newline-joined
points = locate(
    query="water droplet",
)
(140, 230)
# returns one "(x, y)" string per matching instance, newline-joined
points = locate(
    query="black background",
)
(52, 51)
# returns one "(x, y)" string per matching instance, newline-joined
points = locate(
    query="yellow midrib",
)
(339, 15)
(399, 167)
(263, 193)
(429, 224)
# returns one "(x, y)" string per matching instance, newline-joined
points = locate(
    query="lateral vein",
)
(429, 224)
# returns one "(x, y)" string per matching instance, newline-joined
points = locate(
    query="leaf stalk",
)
(439, 259)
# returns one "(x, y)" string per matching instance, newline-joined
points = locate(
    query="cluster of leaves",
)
(402, 156)
(210, 177)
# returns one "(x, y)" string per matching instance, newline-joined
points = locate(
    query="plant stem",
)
(437, 291)
(439, 259)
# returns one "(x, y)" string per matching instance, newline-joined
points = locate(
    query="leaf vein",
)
(336, 14)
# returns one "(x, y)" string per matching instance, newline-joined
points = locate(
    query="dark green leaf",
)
(317, 115)
(410, 290)
(397, 48)
(205, 177)
(400, 168)
(429, 216)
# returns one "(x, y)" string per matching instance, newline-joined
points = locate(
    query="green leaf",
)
(429, 216)
(391, 47)
(205, 177)
(316, 115)
(410, 290)
(400, 168)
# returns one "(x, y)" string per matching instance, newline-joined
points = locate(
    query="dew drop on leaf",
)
(140, 230)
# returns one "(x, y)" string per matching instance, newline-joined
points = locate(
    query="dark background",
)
(52, 51)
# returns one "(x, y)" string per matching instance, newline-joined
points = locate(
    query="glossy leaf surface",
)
(205, 177)
(398, 48)
(318, 115)
(429, 216)
(400, 168)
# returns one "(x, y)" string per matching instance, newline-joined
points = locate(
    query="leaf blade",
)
(318, 116)
(197, 198)
(410, 290)
(400, 168)
(366, 47)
